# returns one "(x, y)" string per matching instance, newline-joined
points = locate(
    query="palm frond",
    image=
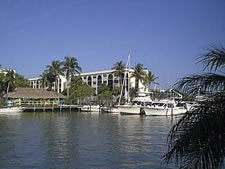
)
(214, 59)
(198, 139)
(209, 82)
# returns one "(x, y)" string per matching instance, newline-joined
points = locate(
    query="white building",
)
(95, 80)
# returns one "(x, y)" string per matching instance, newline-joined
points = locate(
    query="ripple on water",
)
(82, 140)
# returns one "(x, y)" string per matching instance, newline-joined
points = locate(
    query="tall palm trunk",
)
(137, 84)
(68, 87)
(7, 91)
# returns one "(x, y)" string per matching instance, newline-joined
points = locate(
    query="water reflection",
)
(82, 140)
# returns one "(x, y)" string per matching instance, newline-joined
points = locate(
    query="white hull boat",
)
(113, 110)
(11, 110)
(153, 111)
(165, 108)
(88, 108)
(129, 109)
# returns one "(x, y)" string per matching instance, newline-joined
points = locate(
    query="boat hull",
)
(11, 110)
(129, 110)
(152, 111)
(110, 110)
(87, 108)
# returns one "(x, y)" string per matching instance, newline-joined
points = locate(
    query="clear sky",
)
(165, 35)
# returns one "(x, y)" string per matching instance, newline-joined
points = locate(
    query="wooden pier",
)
(52, 108)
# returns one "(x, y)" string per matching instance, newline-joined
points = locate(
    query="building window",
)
(99, 80)
(105, 75)
(116, 81)
(110, 81)
(89, 81)
(85, 77)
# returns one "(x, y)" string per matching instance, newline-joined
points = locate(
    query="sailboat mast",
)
(124, 79)
(128, 77)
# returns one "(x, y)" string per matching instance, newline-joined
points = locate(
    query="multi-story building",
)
(97, 79)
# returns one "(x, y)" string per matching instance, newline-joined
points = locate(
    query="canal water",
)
(82, 140)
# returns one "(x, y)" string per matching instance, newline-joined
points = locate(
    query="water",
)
(82, 140)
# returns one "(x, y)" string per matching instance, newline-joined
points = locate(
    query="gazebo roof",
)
(30, 93)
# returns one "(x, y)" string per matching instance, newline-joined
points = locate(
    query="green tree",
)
(45, 79)
(139, 75)
(20, 81)
(149, 78)
(198, 139)
(81, 94)
(9, 80)
(75, 82)
(119, 71)
(71, 67)
(116, 91)
(106, 97)
(102, 88)
(54, 71)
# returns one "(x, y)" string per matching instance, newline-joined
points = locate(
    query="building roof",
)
(30, 93)
(102, 72)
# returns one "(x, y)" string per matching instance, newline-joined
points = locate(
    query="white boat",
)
(113, 110)
(11, 110)
(165, 108)
(90, 108)
(136, 105)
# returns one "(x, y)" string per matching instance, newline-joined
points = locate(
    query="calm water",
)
(82, 140)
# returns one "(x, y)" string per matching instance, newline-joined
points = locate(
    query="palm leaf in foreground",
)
(198, 139)
(214, 59)
(206, 82)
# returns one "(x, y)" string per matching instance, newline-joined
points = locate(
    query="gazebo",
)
(30, 96)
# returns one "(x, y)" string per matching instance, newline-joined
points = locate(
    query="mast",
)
(128, 77)
(124, 80)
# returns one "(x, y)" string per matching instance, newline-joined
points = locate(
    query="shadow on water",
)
(82, 140)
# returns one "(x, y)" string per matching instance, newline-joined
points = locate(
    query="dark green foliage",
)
(198, 139)
(20, 81)
(139, 75)
(102, 89)
(119, 71)
(71, 68)
(149, 78)
(106, 98)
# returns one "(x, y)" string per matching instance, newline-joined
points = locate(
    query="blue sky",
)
(165, 35)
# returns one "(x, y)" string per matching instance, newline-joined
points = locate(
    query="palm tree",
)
(71, 66)
(139, 75)
(9, 80)
(198, 139)
(149, 78)
(55, 70)
(119, 68)
(44, 79)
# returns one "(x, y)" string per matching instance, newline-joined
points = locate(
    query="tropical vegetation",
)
(71, 67)
(139, 75)
(50, 76)
(80, 93)
(119, 68)
(149, 78)
(9, 80)
(197, 140)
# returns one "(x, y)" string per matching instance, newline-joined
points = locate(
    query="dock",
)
(52, 108)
